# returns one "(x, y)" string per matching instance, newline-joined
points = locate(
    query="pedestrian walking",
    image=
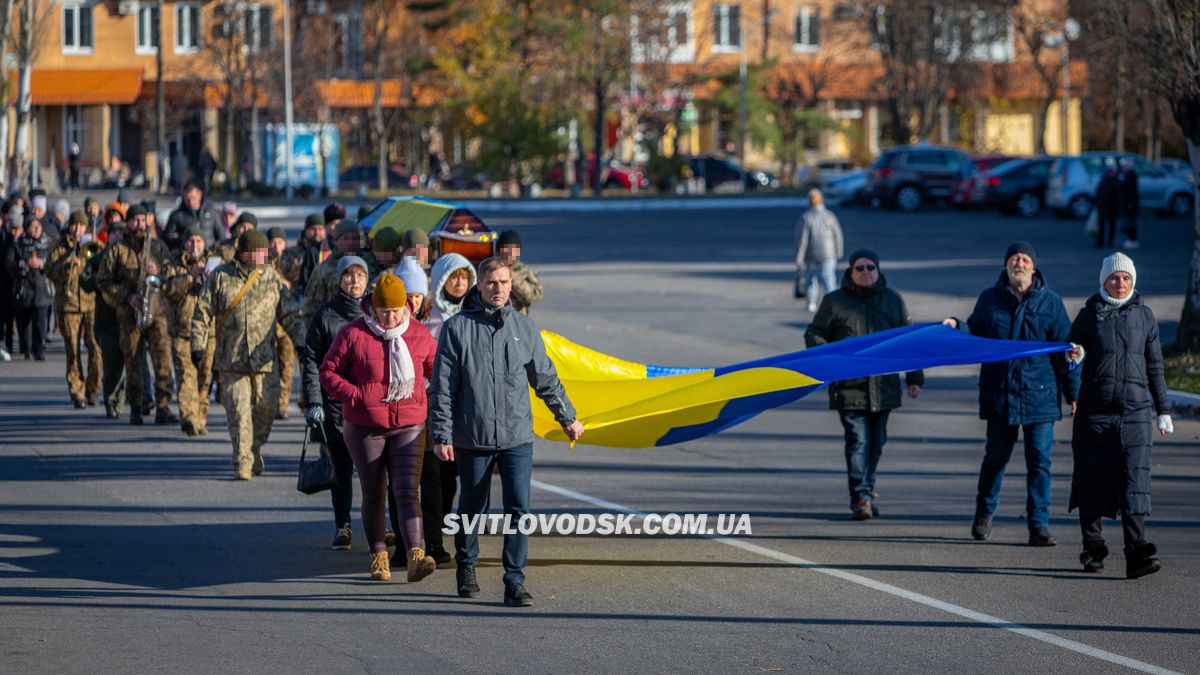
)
(326, 411)
(32, 291)
(76, 310)
(322, 285)
(242, 301)
(194, 211)
(1128, 203)
(453, 275)
(1123, 390)
(14, 228)
(183, 289)
(1022, 395)
(489, 356)
(416, 246)
(73, 167)
(526, 287)
(863, 305)
(377, 367)
(819, 245)
(1107, 199)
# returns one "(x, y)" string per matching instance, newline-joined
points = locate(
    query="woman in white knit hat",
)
(1116, 336)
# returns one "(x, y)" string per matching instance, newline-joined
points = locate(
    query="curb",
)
(567, 205)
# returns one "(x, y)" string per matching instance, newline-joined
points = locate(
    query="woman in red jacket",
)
(377, 367)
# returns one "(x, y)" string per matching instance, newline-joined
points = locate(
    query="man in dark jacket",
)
(1023, 393)
(480, 415)
(1127, 203)
(1106, 208)
(194, 212)
(26, 262)
(862, 306)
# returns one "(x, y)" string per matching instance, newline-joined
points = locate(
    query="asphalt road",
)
(127, 549)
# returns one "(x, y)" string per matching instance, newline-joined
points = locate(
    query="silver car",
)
(1071, 191)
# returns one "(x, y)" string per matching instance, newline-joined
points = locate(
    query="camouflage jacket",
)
(121, 272)
(246, 341)
(322, 286)
(526, 288)
(183, 291)
(69, 297)
(291, 263)
(227, 249)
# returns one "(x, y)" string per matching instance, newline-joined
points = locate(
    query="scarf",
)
(1113, 301)
(401, 375)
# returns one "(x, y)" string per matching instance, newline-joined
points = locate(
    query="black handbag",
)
(315, 475)
(801, 289)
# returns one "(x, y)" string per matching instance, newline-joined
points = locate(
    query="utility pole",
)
(289, 190)
(766, 26)
(160, 115)
(742, 99)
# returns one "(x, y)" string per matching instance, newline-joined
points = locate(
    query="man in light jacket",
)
(818, 249)
(488, 358)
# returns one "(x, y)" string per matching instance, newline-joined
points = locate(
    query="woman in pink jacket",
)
(377, 367)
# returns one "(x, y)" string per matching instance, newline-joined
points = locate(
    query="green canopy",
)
(405, 213)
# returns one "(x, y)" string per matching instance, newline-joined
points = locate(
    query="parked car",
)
(613, 174)
(1016, 187)
(964, 182)
(848, 190)
(908, 176)
(821, 173)
(1073, 180)
(1178, 167)
(367, 176)
(721, 171)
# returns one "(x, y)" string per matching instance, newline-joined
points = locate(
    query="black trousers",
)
(8, 320)
(439, 484)
(1132, 524)
(32, 323)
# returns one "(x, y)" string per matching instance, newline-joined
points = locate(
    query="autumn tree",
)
(1034, 24)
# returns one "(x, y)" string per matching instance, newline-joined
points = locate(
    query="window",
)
(147, 29)
(927, 159)
(73, 127)
(666, 36)
(727, 28)
(807, 37)
(258, 28)
(77, 28)
(346, 57)
(187, 28)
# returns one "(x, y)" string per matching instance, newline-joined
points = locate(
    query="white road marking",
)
(920, 599)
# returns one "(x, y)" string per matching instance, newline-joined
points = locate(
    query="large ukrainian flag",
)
(632, 405)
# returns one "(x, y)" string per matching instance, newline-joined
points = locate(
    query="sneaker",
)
(468, 586)
(419, 565)
(1093, 557)
(380, 569)
(862, 510)
(515, 595)
(341, 538)
(135, 417)
(110, 412)
(981, 529)
(4, 355)
(1040, 536)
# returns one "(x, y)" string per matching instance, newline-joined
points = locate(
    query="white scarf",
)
(401, 375)
(1114, 301)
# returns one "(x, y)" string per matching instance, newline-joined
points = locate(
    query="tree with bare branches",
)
(1034, 24)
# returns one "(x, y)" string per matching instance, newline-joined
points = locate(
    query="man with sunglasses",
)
(863, 305)
(1022, 394)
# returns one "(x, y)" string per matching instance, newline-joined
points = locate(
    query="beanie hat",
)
(251, 240)
(248, 218)
(16, 218)
(1021, 247)
(37, 192)
(389, 292)
(334, 211)
(78, 216)
(38, 202)
(349, 261)
(193, 232)
(62, 206)
(1118, 262)
(123, 196)
(864, 253)
(345, 227)
(415, 237)
(413, 276)
(276, 233)
(314, 219)
(385, 241)
(509, 238)
(134, 211)
(229, 207)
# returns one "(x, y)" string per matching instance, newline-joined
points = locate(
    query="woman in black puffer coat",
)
(1123, 388)
(32, 291)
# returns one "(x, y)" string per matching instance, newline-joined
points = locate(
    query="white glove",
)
(1165, 425)
(1076, 360)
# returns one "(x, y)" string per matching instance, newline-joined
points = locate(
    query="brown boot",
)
(380, 569)
(419, 565)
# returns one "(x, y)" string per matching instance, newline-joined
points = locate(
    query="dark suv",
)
(908, 176)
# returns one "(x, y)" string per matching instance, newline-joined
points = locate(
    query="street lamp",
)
(1068, 33)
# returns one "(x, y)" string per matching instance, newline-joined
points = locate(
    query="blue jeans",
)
(824, 271)
(1001, 437)
(475, 480)
(866, 432)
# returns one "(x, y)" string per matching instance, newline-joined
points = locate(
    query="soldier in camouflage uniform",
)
(285, 349)
(526, 287)
(291, 263)
(182, 289)
(120, 280)
(245, 348)
(76, 309)
(228, 249)
(323, 285)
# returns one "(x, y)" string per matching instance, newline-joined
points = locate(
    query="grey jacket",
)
(818, 236)
(487, 359)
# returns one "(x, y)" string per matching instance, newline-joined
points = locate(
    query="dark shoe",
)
(78, 403)
(1093, 557)
(468, 586)
(981, 529)
(135, 417)
(188, 428)
(441, 556)
(92, 400)
(111, 412)
(1040, 536)
(39, 357)
(515, 595)
(281, 415)
(862, 510)
(389, 539)
(165, 416)
(1140, 560)
(147, 407)
(341, 539)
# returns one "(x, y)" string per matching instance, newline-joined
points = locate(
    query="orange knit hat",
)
(389, 293)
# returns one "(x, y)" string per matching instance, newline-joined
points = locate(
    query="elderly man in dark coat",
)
(1123, 389)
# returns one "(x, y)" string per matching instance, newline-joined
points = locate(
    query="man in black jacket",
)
(194, 212)
(1127, 203)
(862, 306)
(1106, 208)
